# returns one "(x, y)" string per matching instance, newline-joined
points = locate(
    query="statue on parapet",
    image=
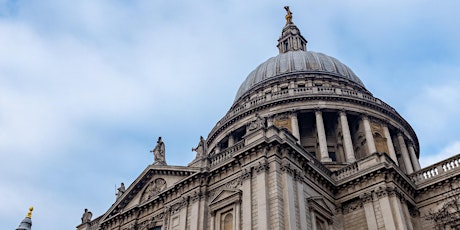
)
(86, 218)
(201, 148)
(121, 190)
(159, 153)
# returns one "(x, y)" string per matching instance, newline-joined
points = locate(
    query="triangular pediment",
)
(319, 205)
(225, 197)
(149, 185)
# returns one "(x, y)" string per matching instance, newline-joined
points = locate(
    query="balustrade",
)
(434, 171)
(226, 153)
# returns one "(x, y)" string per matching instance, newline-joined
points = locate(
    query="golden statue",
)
(288, 15)
(29, 214)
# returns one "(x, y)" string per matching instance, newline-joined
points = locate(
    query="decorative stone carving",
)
(351, 206)
(257, 123)
(245, 174)
(262, 166)
(154, 187)
(366, 197)
(283, 121)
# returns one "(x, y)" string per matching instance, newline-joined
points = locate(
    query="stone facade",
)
(304, 146)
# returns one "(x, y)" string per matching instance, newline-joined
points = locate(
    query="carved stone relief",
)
(153, 188)
(283, 121)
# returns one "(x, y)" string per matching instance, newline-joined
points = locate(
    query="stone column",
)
(391, 148)
(295, 126)
(348, 145)
(231, 140)
(369, 137)
(405, 154)
(322, 138)
(413, 157)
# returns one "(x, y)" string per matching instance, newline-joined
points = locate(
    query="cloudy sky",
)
(86, 87)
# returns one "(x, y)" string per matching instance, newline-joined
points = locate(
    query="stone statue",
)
(159, 153)
(288, 15)
(257, 123)
(86, 218)
(201, 148)
(121, 190)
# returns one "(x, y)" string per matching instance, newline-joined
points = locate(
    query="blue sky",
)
(86, 87)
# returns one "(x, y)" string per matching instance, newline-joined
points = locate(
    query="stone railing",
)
(360, 165)
(320, 166)
(438, 170)
(347, 171)
(226, 153)
(299, 92)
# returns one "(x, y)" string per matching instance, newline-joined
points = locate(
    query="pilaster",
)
(371, 220)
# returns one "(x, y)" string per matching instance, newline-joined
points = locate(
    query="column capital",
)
(293, 112)
(342, 112)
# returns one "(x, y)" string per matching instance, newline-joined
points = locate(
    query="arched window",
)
(227, 221)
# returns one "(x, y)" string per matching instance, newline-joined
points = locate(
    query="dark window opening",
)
(333, 156)
(224, 144)
(239, 133)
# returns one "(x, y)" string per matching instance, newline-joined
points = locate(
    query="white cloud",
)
(450, 150)
(85, 88)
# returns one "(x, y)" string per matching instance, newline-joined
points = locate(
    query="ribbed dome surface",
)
(296, 61)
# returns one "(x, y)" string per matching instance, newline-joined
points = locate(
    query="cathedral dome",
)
(297, 62)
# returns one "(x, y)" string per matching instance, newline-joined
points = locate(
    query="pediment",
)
(318, 204)
(225, 197)
(150, 184)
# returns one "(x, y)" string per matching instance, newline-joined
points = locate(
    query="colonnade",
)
(395, 143)
(407, 152)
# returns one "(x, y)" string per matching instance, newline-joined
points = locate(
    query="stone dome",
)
(298, 61)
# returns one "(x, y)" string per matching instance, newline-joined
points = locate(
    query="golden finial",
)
(29, 214)
(288, 15)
